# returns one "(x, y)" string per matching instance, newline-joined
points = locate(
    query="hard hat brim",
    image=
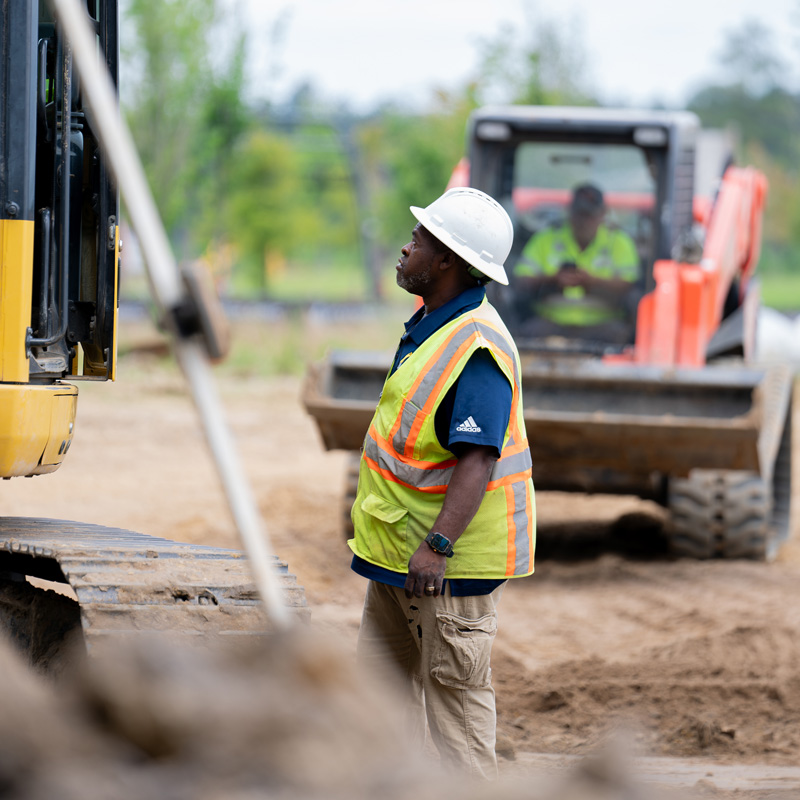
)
(490, 269)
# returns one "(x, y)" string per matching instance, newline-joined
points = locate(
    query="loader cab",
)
(531, 159)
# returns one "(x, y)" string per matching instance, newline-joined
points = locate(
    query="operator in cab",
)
(579, 279)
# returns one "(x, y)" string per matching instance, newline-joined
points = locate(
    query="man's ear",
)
(448, 260)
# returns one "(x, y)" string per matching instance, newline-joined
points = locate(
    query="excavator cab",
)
(59, 223)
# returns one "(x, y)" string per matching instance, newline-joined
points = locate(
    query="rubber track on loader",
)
(737, 514)
(128, 582)
(721, 514)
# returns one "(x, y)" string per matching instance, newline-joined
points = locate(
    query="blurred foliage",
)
(263, 209)
(764, 112)
(411, 159)
(541, 65)
(304, 196)
(182, 112)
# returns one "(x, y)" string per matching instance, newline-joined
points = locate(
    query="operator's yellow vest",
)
(611, 254)
(405, 472)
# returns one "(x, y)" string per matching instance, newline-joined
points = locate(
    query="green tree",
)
(401, 159)
(770, 119)
(542, 65)
(413, 156)
(328, 192)
(417, 156)
(223, 121)
(753, 99)
(750, 58)
(185, 112)
(765, 112)
(263, 214)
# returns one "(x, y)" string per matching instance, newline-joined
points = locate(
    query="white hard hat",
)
(474, 226)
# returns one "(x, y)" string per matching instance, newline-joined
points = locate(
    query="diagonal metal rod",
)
(167, 289)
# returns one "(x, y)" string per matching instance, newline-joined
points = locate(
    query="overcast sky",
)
(364, 51)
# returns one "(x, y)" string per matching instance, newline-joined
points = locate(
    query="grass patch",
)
(264, 348)
(340, 277)
(287, 346)
(780, 290)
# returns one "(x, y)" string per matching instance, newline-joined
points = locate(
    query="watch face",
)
(440, 542)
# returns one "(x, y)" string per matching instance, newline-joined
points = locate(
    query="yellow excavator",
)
(59, 279)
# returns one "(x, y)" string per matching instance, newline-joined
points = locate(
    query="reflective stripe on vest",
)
(403, 463)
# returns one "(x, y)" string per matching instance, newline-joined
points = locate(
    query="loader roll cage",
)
(530, 159)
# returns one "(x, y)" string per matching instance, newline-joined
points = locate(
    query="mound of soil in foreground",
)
(286, 718)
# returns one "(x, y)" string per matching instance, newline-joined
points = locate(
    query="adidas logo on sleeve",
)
(469, 426)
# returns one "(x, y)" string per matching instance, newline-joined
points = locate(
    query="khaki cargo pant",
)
(442, 647)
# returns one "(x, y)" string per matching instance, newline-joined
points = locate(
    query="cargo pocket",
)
(389, 549)
(465, 648)
(383, 510)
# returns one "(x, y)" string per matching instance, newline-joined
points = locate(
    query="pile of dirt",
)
(719, 682)
(287, 718)
(681, 702)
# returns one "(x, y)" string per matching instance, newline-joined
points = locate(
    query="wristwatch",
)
(440, 544)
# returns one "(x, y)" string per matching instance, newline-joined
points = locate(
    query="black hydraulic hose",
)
(44, 295)
(41, 100)
(66, 129)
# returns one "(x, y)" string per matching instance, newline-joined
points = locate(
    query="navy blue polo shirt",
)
(475, 410)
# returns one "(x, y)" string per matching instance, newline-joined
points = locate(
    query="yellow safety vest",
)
(405, 472)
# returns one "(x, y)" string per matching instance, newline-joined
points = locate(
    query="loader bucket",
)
(594, 426)
(623, 429)
(341, 393)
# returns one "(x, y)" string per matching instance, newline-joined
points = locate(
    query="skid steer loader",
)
(671, 407)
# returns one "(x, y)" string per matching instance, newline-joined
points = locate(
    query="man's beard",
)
(414, 284)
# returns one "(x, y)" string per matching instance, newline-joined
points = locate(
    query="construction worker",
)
(445, 512)
(579, 279)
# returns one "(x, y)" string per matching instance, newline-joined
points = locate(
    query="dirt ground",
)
(691, 660)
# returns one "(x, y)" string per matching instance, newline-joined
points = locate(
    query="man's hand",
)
(571, 275)
(609, 289)
(425, 569)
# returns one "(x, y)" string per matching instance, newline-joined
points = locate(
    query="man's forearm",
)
(461, 502)
(466, 491)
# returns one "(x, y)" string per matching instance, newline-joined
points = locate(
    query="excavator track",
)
(128, 583)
